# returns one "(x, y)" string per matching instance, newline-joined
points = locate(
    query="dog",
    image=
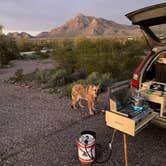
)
(85, 92)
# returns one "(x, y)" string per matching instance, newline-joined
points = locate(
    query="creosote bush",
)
(42, 76)
(8, 50)
(58, 78)
(100, 55)
(88, 61)
(95, 78)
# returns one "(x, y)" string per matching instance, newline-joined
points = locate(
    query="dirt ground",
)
(40, 129)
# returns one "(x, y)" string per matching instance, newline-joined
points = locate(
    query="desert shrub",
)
(24, 45)
(42, 76)
(57, 81)
(41, 55)
(63, 90)
(29, 77)
(100, 55)
(76, 76)
(99, 79)
(68, 90)
(8, 50)
(18, 76)
(106, 79)
(95, 78)
(90, 61)
(58, 78)
(66, 59)
(44, 56)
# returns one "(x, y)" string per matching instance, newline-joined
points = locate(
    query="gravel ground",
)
(40, 129)
(28, 67)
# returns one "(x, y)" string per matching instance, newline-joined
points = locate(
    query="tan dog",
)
(86, 92)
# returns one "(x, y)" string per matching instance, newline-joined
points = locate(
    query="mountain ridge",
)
(91, 26)
(17, 35)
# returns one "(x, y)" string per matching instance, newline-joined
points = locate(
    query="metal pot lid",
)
(86, 138)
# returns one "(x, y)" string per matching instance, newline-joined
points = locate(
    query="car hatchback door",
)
(152, 21)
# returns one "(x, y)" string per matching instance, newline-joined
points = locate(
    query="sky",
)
(35, 16)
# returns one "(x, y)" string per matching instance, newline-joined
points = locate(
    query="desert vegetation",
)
(86, 61)
(34, 45)
(117, 57)
(8, 50)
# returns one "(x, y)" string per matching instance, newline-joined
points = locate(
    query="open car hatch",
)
(152, 21)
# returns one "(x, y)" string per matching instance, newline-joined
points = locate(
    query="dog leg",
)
(93, 106)
(73, 106)
(82, 106)
(90, 108)
(74, 101)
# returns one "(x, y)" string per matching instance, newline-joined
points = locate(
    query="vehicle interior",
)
(154, 83)
(156, 71)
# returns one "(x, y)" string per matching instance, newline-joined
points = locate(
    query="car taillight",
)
(135, 84)
(135, 80)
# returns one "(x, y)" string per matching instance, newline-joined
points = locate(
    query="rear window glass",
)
(159, 30)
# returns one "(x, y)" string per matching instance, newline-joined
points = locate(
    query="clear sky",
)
(34, 16)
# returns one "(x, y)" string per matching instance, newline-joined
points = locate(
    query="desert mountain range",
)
(17, 35)
(82, 25)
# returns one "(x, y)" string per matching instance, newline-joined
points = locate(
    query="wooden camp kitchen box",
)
(120, 120)
(125, 124)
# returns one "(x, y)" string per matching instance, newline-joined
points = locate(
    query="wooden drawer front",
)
(120, 123)
(127, 125)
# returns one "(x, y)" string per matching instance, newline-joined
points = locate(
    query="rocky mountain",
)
(17, 35)
(91, 27)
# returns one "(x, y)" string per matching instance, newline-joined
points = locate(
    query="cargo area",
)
(153, 86)
(156, 70)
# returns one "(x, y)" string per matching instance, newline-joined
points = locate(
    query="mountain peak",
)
(91, 26)
(80, 15)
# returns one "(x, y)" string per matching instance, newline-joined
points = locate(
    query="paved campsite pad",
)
(40, 129)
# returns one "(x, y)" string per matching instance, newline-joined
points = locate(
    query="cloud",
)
(46, 14)
(32, 14)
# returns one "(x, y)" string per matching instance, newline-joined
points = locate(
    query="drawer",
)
(125, 124)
